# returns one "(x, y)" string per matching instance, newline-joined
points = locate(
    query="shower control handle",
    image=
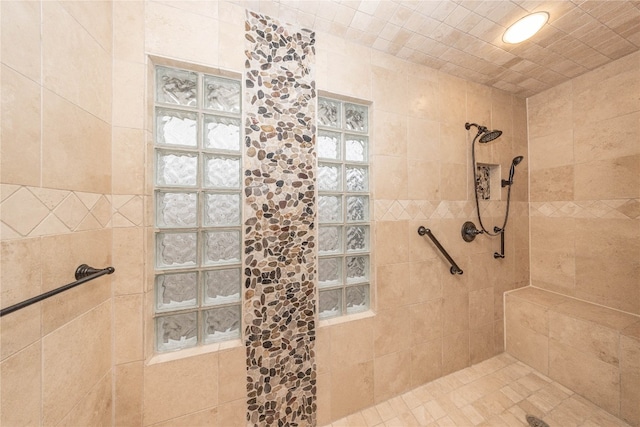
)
(469, 231)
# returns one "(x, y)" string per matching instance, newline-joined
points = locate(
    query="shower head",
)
(490, 136)
(516, 160)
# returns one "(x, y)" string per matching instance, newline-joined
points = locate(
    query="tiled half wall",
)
(591, 349)
(280, 237)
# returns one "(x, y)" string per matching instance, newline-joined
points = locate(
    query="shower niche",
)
(488, 181)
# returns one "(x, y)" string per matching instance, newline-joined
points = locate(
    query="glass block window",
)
(344, 231)
(197, 208)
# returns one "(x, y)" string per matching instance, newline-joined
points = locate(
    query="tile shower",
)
(427, 323)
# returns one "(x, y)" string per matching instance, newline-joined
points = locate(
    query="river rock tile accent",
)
(280, 214)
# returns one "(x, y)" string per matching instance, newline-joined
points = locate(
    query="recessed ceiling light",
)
(525, 27)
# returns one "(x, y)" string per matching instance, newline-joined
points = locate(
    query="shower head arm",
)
(481, 129)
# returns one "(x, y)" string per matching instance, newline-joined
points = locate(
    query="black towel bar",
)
(83, 274)
(454, 267)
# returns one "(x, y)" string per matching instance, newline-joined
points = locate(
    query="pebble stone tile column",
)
(280, 213)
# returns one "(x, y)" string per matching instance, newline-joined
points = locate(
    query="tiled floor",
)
(497, 392)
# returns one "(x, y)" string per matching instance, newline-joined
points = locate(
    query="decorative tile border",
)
(610, 209)
(36, 211)
(128, 210)
(396, 210)
(280, 213)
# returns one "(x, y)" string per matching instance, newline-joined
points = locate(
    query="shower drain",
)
(536, 422)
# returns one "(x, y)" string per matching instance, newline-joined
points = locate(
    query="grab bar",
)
(454, 267)
(83, 274)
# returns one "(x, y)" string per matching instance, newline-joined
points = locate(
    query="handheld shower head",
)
(515, 162)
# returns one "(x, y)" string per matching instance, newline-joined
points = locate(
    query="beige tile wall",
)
(129, 179)
(55, 176)
(585, 186)
(210, 387)
(427, 322)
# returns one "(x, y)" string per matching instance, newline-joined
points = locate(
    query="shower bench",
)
(590, 349)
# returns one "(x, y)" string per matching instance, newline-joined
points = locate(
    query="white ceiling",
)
(464, 38)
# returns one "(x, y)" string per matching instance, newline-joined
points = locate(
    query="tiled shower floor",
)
(497, 392)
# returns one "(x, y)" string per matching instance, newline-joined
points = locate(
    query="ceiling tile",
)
(385, 9)
(457, 16)
(402, 36)
(344, 14)
(572, 20)
(444, 9)
(389, 31)
(464, 37)
(401, 15)
(469, 22)
(361, 21)
(369, 6)
(328, 10)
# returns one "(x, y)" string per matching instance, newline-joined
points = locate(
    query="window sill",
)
(348, 318)
(194, 351)
(222, 346)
